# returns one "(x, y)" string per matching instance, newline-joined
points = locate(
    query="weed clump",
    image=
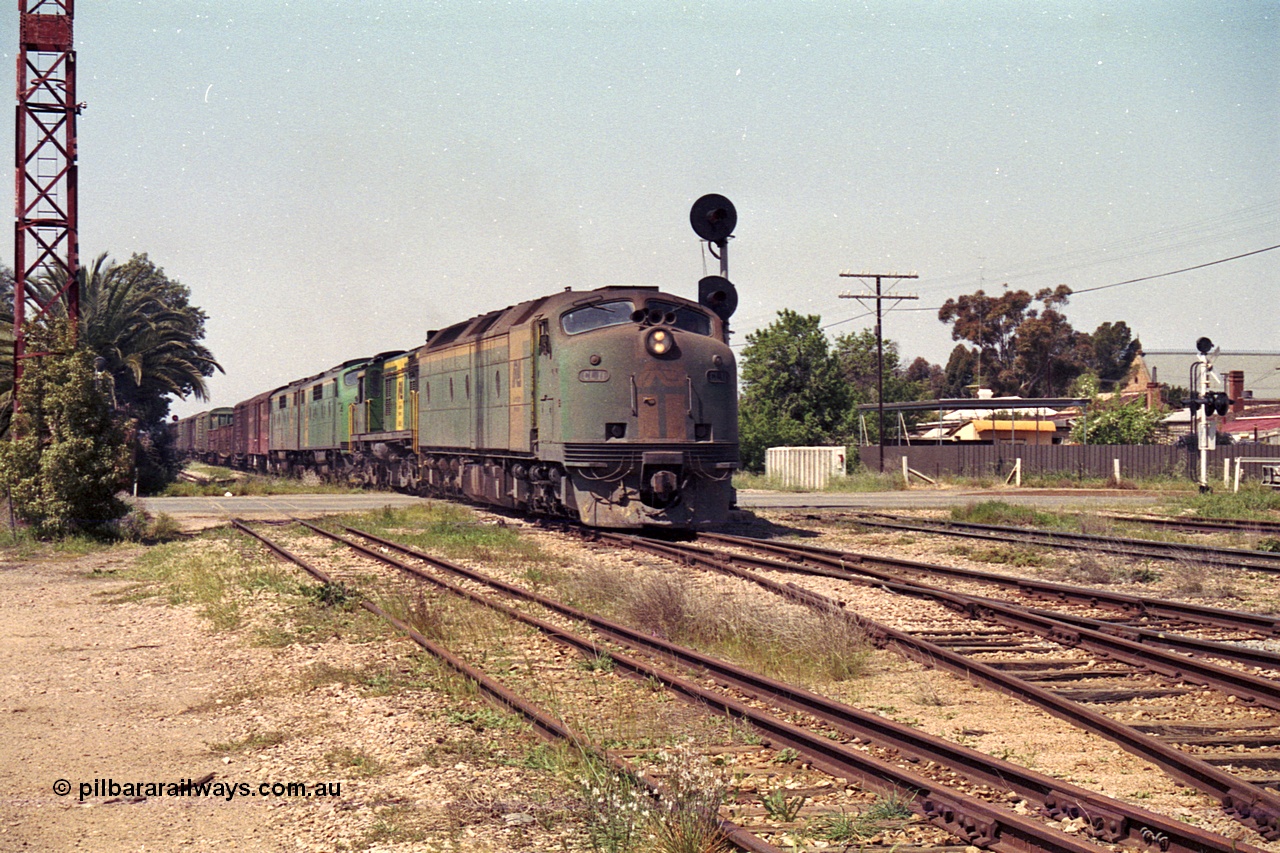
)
(1003, 513)
(785, 642)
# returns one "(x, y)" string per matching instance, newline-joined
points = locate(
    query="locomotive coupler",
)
(660, 477)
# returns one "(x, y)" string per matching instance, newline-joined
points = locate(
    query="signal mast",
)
(1214, 402)
(45, 200)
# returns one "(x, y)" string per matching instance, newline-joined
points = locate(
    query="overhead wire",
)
(1142, 278)
(1177, 237)
(1183, 236)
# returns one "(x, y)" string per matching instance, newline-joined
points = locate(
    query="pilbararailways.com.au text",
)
(198, 788)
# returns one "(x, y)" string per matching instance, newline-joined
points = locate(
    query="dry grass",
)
(1193, 577)
(786, 641)
(1088, 569)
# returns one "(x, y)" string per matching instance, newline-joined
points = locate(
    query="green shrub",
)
(69, 455)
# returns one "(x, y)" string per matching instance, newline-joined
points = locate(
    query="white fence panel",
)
(804, 467)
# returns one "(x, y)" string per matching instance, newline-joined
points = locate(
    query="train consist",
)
(615, 406)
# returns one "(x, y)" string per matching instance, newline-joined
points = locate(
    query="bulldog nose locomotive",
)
(616, 406)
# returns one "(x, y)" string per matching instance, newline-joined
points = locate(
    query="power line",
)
(879, 298)
(1175, 272)
(1178, 237)
(1147, 277)
(1099, 287)
(824, 328)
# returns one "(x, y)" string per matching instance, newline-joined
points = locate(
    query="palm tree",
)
(147, 336)
(145, 330)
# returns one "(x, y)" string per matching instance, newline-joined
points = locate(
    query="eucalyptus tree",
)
(793, 391)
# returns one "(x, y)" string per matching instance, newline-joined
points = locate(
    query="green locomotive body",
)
(616, 406)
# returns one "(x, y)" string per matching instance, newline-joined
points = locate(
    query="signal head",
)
(713, 218)
(1204, 346)
(718, 294)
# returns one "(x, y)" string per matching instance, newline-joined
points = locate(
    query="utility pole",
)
(45, 203)
(879, 298)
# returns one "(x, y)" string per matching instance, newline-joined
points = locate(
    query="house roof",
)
(1261, 369)
(1248, 425)
(1015, 404)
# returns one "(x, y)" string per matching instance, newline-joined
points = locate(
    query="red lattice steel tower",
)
(45, 170)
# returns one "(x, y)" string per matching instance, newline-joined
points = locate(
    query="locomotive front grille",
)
(698, 455)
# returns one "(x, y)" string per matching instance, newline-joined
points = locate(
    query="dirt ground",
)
(95, 688)
(92, 691)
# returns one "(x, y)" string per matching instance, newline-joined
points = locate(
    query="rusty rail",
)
(1070, 631)
(1243, 525)
(1253, 806)
(1199, 614)
(978, 822)
(1109, 820)
(1230, 557)
(545, 724)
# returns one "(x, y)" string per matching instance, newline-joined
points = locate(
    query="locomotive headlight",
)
(659, 342)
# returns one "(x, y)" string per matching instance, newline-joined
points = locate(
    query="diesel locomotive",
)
(615, 406)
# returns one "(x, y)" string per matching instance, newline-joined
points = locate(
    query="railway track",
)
(1242, 796)
(547, 724)
(1143, 619)
(1237, 558)
(1202, 525)
(971, 819)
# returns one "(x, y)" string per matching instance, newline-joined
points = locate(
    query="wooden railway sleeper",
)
(1000, 829)
(1245, 686)
(910, 744)
(547, 725)
(977, 830)
(1258, 809)
(1101, 824)
(1148, 608)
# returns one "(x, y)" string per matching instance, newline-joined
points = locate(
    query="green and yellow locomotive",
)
(616, 406)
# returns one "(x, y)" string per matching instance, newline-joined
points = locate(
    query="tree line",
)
(800, 388)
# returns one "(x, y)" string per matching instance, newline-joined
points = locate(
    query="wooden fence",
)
(1089, 460)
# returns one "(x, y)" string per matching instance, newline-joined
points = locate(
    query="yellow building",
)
(1006, 431)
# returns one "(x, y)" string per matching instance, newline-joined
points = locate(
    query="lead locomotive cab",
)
(648, 431)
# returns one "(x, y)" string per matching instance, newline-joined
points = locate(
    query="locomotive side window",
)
(689, 319)
(597, 316)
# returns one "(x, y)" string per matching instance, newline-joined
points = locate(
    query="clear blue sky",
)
(332, 179)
